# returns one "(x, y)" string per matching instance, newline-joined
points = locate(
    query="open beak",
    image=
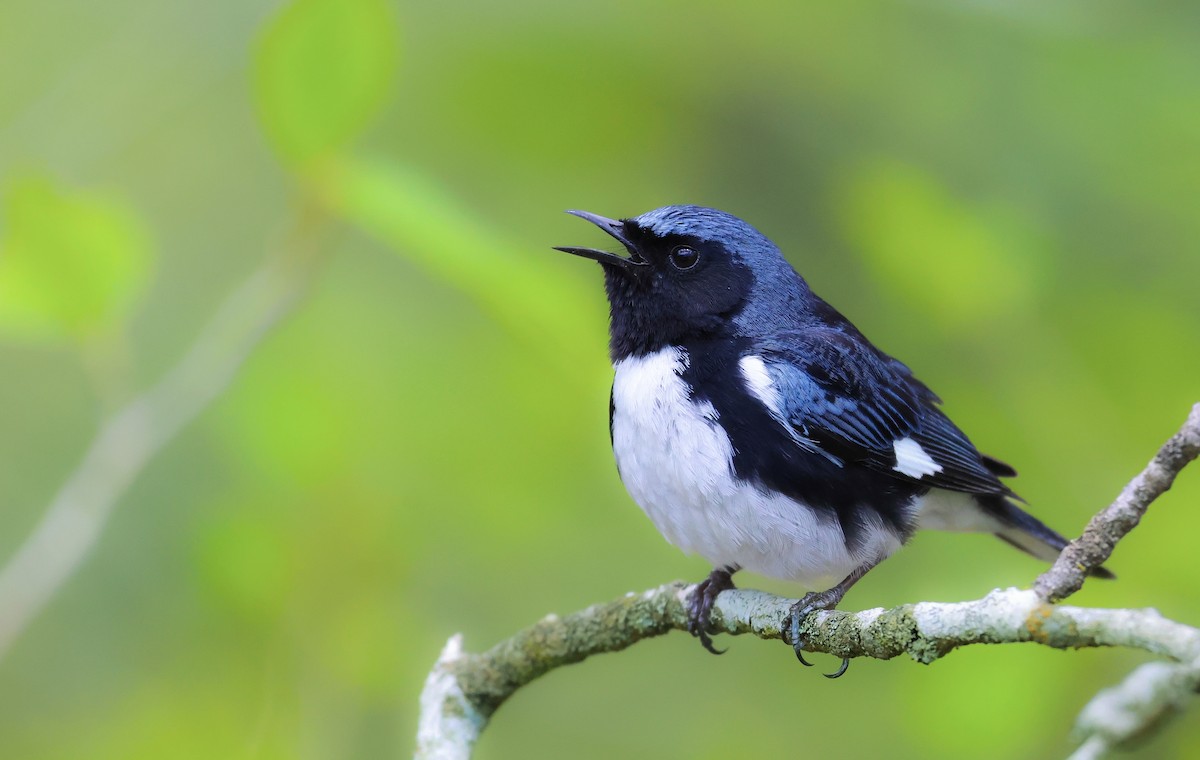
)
(613, 227)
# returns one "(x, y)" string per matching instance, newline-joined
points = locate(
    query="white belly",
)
(950, 510)
(677, 464)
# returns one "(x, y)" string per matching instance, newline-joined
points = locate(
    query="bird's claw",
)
(841, 671)
(812, 602)
(706, 641)
(698, 621)
(700, 607)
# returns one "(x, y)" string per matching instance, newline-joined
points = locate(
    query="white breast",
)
(677, 464)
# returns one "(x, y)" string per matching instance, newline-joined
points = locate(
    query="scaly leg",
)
(701, 603)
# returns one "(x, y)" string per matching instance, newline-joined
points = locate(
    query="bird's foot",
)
(701, 603)
(813, 601)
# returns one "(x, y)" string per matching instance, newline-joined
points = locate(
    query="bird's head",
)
(691, 272)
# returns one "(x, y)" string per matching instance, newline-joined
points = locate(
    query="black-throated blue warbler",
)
(758, 428)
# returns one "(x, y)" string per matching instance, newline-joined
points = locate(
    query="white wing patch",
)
(911, 459)
(761, 386)
(758, 382)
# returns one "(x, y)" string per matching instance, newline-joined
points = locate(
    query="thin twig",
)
(1111, 524)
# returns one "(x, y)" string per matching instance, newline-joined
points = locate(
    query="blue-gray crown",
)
(706, 224)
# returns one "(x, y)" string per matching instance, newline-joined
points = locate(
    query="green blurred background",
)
(1002, 194)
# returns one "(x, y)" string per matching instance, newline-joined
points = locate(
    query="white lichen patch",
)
(867, 617)
(448, 726)
(1001, 611)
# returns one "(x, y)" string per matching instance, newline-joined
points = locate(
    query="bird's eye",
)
(684, 257)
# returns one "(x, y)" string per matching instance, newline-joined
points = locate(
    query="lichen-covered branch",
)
(1151, 695)
(1112, 523)
(464, 689)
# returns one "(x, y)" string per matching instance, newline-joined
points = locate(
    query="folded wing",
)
(866, 408)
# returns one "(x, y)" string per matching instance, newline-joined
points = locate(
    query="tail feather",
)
(1029, 534)
(998, 468)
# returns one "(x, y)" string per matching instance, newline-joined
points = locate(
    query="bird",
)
(759, 428)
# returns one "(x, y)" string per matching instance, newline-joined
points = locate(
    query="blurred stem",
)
(1123, 714)
(130, 437)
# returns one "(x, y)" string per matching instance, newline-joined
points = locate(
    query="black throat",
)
(642, 321)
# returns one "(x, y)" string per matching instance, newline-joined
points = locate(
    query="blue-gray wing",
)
(839, 392)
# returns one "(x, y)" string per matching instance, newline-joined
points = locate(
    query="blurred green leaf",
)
(426, 225)
(242, 560)
(322, 70)
(71, 262)
(360, 644)
(959, 263)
